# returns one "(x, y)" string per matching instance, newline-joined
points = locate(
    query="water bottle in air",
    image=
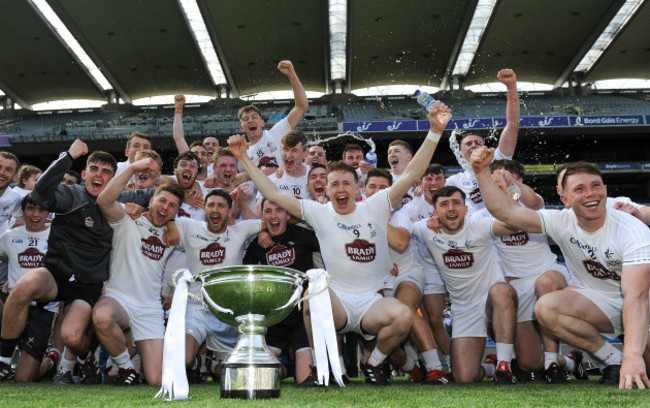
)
(425, 100)
(371, 157)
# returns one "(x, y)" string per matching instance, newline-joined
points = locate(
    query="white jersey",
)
(9, 202)
(206, 250)
(137, 261)
(522, 254)
(296, 186)
(466, 181)
(189, 211)
(405, 260)
(418, 209)
(21, 191)
(595, 259)
(269, 143)
(24, 250)
(354, 246)
(409, 194)
(465, 259)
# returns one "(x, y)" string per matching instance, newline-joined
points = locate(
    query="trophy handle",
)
(308, 296)
(208, 300)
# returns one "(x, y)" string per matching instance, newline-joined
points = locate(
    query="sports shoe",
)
(311, 380)
(90, 372)
(415, 375)
(127, 376)
(521, 375)
(611, 375)
(555, 375)
(579, 372)
(110, 376)
(377, 375)
(5, 372)
(503, 375)
(63, 378)
(436, 377)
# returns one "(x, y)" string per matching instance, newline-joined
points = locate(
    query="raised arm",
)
(635, 280)
(107, 199)
(238, 145)
(508, 139)
(438, 119)
(178, 131)
(299, 96)
(497, 202)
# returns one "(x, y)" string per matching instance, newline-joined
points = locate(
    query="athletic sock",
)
(490, 369)
(431, 360)
(123, 360)
(570, 364)
(376, 357)
(66, 365)
(408, 366)
(204, 366)
(549, 358)
(609, 355)
(504, 352)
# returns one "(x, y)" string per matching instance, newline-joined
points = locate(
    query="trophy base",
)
(250, 381)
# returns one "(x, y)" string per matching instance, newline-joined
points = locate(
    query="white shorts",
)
(201, 324)
(471, 322)
(146, 322)
(356, 307)
(415, 275)
(611, 304)
(525, 288)
(433, 282)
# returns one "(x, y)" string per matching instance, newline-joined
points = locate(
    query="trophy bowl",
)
(251, 297)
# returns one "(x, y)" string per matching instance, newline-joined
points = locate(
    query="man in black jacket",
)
(77, 260)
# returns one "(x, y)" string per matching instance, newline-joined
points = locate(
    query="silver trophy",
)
(251, 297)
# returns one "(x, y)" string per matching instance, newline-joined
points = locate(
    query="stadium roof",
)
(148, 47)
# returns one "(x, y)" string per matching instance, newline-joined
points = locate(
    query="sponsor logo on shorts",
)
(475, 196)
(598, 271)
(152, 248)
(281, 255)
(31, 258)
(213, 254)
(518, 239)
(457, 259)
(361, 250)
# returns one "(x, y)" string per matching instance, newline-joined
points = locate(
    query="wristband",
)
(434, 137)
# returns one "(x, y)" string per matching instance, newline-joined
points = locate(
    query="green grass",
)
(400, 394)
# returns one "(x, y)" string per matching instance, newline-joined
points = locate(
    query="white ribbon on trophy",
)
(174, 377)
(323, 330)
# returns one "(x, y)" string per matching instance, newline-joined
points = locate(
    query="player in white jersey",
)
(608, 254)
(210, 244)
(267, 142)
(24, 248)
(408, 285)
(465, 180)
(400, 154)
(434, 291)
(131, 296)
(9, 199)
(354, 243)
(465, 257)
(294, 178)
(527, 259)
(136, 141)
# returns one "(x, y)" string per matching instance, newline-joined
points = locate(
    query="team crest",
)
(89, 222)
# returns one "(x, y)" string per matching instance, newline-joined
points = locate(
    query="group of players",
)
(395, 242)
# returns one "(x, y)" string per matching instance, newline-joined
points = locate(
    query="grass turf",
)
(400, 394)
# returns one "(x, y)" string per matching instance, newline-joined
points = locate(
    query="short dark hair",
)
(434, 168)
(375, 172)
(197, 143)
(340, 165)
(248, 108)
(316, 166)
(351, 147)
(512, 166)
(99, 156)
(293, 138)
(171, 188)
(10, 156)
(579, 167)
(28, 200)
(446, 191)
(188, 155)
(264, 200)
(74, 174)
(137, 134)
(221, 193)
(26, 171)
